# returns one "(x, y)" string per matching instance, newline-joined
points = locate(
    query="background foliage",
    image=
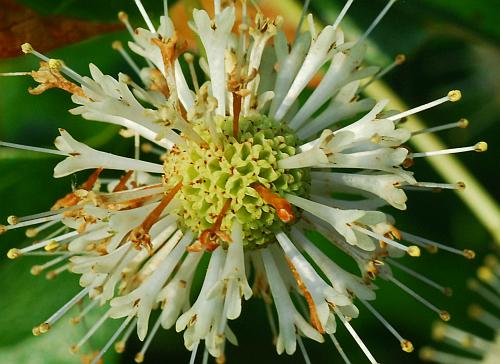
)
(449, 44)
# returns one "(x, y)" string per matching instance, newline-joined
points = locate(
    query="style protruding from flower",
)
(473, 349)
(248, 168)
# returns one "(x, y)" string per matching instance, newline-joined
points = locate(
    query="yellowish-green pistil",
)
(212, 174)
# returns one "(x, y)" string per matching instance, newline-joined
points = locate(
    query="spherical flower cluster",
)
(248, 165)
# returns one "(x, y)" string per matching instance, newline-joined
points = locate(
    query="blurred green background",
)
(449, 44)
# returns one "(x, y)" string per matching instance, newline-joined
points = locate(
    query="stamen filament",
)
(302, 347)
(445, 290)
(13, 74)
(400, 59)
(428, 354)
(356, 337)
(429, 244)
(189, 58)
(302, 17)
(15, 253)
(452, 96)
(462, 123)
(43, 328)
(37, 269)
(145, 16)
(444, 315)
(376, 21)
(118, 46)
(484, 292)
(40, 220)
(434, 186)
(478, 147)
(120, 345)
(111, 340)
(484, 317)
(139, 357)
(192, 359)
(339, 349)
(33, 149)
(90, 333)
(406, 345)
(342, 13)
(76, 320)
(32, 232)
(412, 250)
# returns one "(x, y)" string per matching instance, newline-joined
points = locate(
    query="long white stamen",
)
(189, 58)
(478, 147)
(406, 345)
(430, 282)
(32, 232)
(355, 336)
(54, 273)
(342, 13)
(192, 359)
(149, 148)
(413, 251)
(13, 74)
(460, 338)
(339, 349)
(205, 356)
(462, 123)
(429, 244)
(302, 17)
(270, 318)
(93, 303)
(37, 269)
(217, 7)
(431, 186)
(33, 149)
(139, 357)
(27, 48)
(444, 315)
(429, 354)
(484, 317)
(145, 16)
(452, 96)
(377, 20)
(120, 345)
(400, 58)
(15, 253)
(111, 340)
(90, 333)
(123, 17)
(302, 347)
(59, 313)
(43, 214)
(117, 45)
(40, 220)
(484, 292)
(165, 8)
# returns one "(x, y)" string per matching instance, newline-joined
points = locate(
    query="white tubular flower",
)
(343, 220)
(289, 318)
(142, 299)
(215, 38)
(385, 186)
(245, 167)
(233, 280)
(319, 295)
(206, 311)
(81, 157)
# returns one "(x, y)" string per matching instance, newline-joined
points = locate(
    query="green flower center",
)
(215, 173)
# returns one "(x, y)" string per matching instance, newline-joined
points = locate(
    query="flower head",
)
(248, 167)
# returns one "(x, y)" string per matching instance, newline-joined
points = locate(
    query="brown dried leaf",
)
(20, 24)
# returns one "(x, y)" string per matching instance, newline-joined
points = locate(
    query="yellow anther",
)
(463, 123)
(444, 315)
(400, 59)
(27, 48)
(139, 357)
(13, 253)
(454, 95)
(117, 45)
(475, 311)
(485, 274)
(52, 246)
(36, 270)
(120, 347)
(469, 254)
(188, 57)
(407, 346)
(12, 220)
(413, 251)
(31, 233)
(481, 147)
